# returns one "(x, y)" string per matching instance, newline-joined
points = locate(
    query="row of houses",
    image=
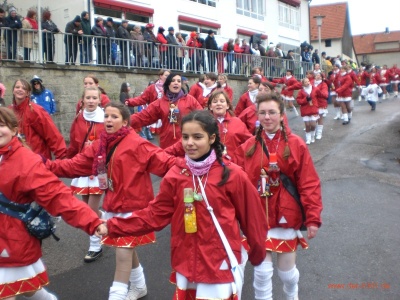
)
(288, 22)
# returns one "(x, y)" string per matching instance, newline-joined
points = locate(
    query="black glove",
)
(308, 98)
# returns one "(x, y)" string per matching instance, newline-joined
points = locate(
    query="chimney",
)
(387, 30)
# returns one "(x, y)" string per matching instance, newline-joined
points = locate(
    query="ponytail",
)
(252, 149)
(286, 152)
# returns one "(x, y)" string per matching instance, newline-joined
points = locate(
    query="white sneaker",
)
(318, 136)
(313, 139)
(337, 117)
(135, 293)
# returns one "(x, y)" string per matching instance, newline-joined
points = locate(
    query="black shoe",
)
(346, 122)
(91, 256)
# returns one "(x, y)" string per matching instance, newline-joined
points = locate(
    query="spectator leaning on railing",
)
(85, 47)
(2, 20)
(172, 50)
(48, 41)
(71, 40)
(14, 23)
(123, 33)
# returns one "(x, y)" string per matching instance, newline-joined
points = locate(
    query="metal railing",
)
(68, 49)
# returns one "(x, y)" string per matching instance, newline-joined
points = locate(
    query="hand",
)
(312, 232)
(101, 229)
(126, 102)
(80, 31)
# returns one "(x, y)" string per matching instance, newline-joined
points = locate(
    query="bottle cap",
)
(272, 158)
(257, 123)
(188, 195)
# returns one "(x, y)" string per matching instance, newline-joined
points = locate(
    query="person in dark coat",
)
(2, 20)
(99, 31)
(172, 50)
(14, 23)
(85, 48)
(149, 37)
(48, 40)
(123, 33)
(315, 57)
(211, 44)
(111, 45)
(71, 40)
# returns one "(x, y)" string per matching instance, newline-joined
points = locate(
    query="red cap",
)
(150, 25)
(273, 158)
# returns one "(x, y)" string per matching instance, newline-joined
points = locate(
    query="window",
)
(188, 28)
(206, 2)
(328, 43)
(289, 16)
(108, 12)
(251, 8)
(137, 18)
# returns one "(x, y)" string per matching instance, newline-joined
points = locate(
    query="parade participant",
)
(2, 93)
(129, 162)
(198, 256)
(42, 96)
(317, 70)
(355, 80)
(395, 79)
(287, 93)
(85, 129)
(363, 76)
(344, 92)
(384, 76)
(232, 131)
(170, 109)
(22, 271)
(322, 98)
(249, 97)
(223, 81)
(201, 91)
(275, 143)
(308, 101)
(249, 115)
(332, 82)
(152, 92)
(91, 80)
(371, 94)
(36, 127)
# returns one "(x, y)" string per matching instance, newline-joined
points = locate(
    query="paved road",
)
(356, 252)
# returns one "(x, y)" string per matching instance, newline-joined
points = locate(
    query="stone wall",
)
(66, 82)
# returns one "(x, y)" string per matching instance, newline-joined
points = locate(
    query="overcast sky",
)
(368, 16)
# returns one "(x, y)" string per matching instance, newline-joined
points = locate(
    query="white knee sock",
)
(137, 277)
(42, 294)
(290, 281)
(263, 281)
(95, 243)
(350, 115)
(118, 291)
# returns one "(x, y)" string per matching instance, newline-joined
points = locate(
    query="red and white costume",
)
(85, 129)
(284, 216)
(287, 94)
(384, 77)
(201, 92)
(200, 258)
(344, 87)
(246, 100)
(21, 267)
(354, 78)
(38, 130)
(395, 75)
(322, 96)
(228, 90)
(309, 110)
(170, 133)
(332, 81)
(128, 171)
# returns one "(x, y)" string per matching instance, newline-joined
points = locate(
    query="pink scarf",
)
(33, 23)
(199, 168)
(105, 141)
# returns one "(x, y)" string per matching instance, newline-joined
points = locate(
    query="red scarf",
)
(106, 141)
(33, 23)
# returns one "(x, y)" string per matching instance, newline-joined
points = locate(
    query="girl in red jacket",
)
(289, 83)
(322, 97)
(198, 257)
(91, 80)
(395, 79)
(130, 159)
(344, 90)
(232, 130)
(22, 271)
(249, 97)
(162, 50)
(274, 142)
(223, 81)
(170, 109)
(307, 99)
(202, 90)
(36, 127)
(85, 129)
(332, 82)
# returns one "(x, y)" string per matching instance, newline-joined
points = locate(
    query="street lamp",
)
(319, 24)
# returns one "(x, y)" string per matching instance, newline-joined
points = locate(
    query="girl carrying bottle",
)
(275, 146)
(198, 256)
(85, 129)
(129, 161)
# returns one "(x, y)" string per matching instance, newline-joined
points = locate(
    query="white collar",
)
(94, 116)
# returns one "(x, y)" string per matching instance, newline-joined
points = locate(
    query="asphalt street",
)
(355, 254)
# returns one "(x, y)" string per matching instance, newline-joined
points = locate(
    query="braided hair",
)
(209, 124)
(275, 97)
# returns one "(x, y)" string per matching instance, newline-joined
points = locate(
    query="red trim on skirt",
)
(24, 285)
(283, 246)
(86, 190)
(129, 241)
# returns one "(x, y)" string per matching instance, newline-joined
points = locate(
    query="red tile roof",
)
(366, 43)
(333, 23)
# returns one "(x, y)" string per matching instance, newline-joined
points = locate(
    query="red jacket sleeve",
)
(176, 149)
(147, 116)
(301, 98)
(237, 49)
(322, 90)
(104, 100)
(73, 147)
(146, 97)
(242, 104)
